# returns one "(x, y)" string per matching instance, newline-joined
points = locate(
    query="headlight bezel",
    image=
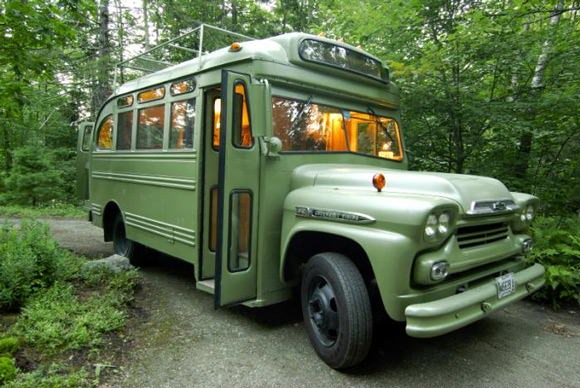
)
(438, 225)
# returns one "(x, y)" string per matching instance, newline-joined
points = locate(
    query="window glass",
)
(182, 119)
(213, 205)
(105, 134)
(124, 127)
(217, 110)
(87, 137)
(123, 102)
(150, 128)
(304, 126)
(341, 57)
(151, 94)
(242, 128)
(182, 87)
(240, 231)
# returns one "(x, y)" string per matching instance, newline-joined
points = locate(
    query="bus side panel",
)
(157, 195)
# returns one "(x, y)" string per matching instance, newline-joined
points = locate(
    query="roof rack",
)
(195, 43)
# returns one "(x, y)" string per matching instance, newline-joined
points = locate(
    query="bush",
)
(8, 369)
(53, 377)
(34, 179)
(57, 320)
(8, 345)
(29, 260)
(557, 247)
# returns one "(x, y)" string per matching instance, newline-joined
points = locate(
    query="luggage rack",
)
(194, 43)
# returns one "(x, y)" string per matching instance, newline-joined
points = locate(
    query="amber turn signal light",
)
(379, 181)
(236, 46)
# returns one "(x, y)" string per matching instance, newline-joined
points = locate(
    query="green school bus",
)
(279, 164)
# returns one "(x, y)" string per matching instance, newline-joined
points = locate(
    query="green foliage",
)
(29, 261)
(8, 345)
(557, 247)
(53, 377)
(8, 369)
(58, 320)
(34, 180)
(53, 209)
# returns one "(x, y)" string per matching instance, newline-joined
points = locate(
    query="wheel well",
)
(304, 245)
(110, 213)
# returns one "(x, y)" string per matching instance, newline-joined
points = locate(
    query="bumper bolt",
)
(485, 307)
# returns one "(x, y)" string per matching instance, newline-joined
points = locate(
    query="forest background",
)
(488, 87)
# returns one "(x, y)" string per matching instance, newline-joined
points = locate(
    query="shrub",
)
(53, 377)
(557, 247)
(8, 345)
(57, 320)
(8, 369)
(29, 259)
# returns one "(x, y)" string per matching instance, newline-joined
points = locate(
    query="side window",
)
(87, 137)
(182, 120)
(150, 128)
(105, 134)
(217, 115)
(242, 127)
(124, 127)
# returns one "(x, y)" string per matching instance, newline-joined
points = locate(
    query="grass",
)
(55, 210)
(69, 317)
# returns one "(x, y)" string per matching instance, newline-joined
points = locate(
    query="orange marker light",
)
(236, 46)
(379, 181)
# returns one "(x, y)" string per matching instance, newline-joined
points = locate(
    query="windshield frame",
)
(345, 106)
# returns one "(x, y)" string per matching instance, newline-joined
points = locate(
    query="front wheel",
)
(125, 247)
(336, 310)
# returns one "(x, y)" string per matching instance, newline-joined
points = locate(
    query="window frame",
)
(340, 108)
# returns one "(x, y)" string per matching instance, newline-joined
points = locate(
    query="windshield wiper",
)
(371, 111)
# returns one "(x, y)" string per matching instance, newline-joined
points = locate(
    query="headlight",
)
(528, 214)
(438, 225)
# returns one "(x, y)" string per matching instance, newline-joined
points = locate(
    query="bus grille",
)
(472, 236)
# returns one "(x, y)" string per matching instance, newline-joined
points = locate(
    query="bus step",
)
(206, 285)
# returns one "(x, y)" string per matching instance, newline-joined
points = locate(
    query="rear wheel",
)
(336, 309)
(123, 246)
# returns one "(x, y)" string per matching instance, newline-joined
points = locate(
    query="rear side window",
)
(87, 137)
(124, 127)
(150, 128)
(182, 120)
(105, 134)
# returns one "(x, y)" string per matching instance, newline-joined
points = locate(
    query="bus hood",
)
(463, 189)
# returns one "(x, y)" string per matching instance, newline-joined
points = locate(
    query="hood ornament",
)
(492, 207)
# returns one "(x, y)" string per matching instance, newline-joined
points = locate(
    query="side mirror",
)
(271, 146)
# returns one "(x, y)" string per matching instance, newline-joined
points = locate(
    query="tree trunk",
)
(146, 40)
(103, 89)
(527, 138)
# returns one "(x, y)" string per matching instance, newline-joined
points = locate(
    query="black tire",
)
(122, 246)
(336, 310)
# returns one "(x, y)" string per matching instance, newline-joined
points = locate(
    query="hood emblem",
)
(333, 215)
(492, 207)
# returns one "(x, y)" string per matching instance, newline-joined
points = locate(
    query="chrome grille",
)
(475, 235)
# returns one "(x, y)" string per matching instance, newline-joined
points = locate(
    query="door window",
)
(241, 123)
(87, 137)
(240, 231)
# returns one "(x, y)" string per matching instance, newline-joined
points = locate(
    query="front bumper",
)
(435, 318)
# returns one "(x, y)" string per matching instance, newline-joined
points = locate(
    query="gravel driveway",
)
(184, 342)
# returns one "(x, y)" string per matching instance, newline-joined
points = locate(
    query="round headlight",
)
(529, 213)
(431, 226)
(444, 220)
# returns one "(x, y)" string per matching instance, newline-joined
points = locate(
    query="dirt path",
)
(184, 342)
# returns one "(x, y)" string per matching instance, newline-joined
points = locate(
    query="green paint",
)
(164, 195)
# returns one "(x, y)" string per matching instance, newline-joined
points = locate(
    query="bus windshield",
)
(303, 126)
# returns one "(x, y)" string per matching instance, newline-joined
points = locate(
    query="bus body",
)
(280, 163)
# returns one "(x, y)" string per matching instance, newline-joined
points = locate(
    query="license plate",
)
(506, 285)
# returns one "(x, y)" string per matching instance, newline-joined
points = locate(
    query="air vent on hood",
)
(472, 236)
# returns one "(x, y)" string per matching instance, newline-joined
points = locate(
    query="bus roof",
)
(280, 49)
